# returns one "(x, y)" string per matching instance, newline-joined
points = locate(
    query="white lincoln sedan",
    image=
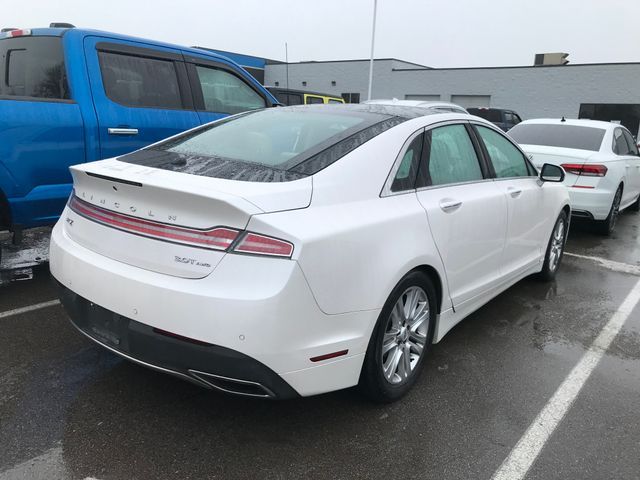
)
(600, 159)
(299, 250)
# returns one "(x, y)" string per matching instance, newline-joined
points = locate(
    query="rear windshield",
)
(276, 144)
(486, 113)
(33, 67)
(558, 135)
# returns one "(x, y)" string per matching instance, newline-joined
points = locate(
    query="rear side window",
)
(489, 114)
(507, 160)
(140, 82)
(450, 156)
(331, 100)
(620, 146)
(558, 135)
(224, 92)
(633, 148)
(33, 67)
(312, 100)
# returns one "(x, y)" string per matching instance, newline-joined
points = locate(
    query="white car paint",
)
(436, 107)
(353, 242)
(591, 196)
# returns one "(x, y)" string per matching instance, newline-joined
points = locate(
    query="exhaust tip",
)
(233, 385)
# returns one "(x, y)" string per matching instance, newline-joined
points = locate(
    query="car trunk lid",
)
(157, 219)
(539, 155)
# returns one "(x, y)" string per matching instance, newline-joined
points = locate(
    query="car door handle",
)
(514, 192)
(122, 131)
(448, 205)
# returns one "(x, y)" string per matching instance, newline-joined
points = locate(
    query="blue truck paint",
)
(41, 138)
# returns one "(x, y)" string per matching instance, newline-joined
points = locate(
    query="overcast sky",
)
(439, 33)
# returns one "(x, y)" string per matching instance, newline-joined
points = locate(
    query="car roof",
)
(581, 122)
(414, 103)
(389, 110)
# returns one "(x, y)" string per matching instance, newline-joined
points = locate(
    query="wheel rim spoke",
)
(405, 337)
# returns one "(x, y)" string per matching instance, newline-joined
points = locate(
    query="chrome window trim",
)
(447, 185)
(386, 189)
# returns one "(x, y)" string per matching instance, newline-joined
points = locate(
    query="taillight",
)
(16, 33)
(262, 245)
(219, 238)
(585, 169)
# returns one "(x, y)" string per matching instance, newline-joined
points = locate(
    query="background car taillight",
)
(262, 245)
(218, 238)
(585, 170)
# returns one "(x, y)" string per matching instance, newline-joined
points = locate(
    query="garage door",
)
(424, 98)
(467, 101)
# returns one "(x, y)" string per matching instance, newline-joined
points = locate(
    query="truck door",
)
(140, 92)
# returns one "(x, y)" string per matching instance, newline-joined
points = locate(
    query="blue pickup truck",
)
(70, 95)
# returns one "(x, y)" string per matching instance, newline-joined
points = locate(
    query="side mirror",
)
(551, 173)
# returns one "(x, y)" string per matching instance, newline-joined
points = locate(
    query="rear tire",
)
(555, 248)
(608, 225)
(400, 340)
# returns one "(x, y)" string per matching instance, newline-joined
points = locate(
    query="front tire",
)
(608, 225)
(555, 248)
(400, 340)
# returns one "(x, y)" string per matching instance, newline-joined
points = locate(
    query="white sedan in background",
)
(299, 250)
(600, 159)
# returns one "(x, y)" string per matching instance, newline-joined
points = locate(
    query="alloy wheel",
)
(405, 335)
(557, 244)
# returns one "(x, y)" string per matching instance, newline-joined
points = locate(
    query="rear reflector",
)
(219, 238)
(329, 355)
(263, 245)
(585, 170)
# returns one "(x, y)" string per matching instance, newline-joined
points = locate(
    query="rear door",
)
(140, 92)
(41, 128)
(517, 179)
(220, 90)
(467, 212)
(634, 162)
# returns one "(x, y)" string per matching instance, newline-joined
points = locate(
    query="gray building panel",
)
(551, 91)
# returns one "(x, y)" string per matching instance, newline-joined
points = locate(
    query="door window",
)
(311, 100)
(633, 148)
(295, 99)
(405, 178)
(33, 67)
(507, 160)
(224, 92)
(449, 157)
(620, 146)
(140, 82)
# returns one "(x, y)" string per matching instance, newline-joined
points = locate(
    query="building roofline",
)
(421, 67)
(516, 66)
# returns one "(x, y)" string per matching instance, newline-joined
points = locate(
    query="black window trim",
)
(531, 169)
(28, 98)
(186, 99)
(196, 89)
(486, 173)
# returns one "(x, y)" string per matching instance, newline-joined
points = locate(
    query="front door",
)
(517, 180)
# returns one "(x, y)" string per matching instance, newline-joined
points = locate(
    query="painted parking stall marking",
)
(524, 454)
(30, 308)
(609, 264)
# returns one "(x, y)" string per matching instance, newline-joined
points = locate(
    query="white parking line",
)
(519, 461)
(30, 308)
(609, 264)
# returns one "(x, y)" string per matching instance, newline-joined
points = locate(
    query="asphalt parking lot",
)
(71, 410)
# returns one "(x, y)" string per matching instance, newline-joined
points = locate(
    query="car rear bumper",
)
(590, 203)
(257, 311)
(204, 364)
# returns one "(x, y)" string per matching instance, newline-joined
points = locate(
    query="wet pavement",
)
(70, 410)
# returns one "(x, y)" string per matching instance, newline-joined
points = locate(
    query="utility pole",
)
(373, 39)
(286, 59)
